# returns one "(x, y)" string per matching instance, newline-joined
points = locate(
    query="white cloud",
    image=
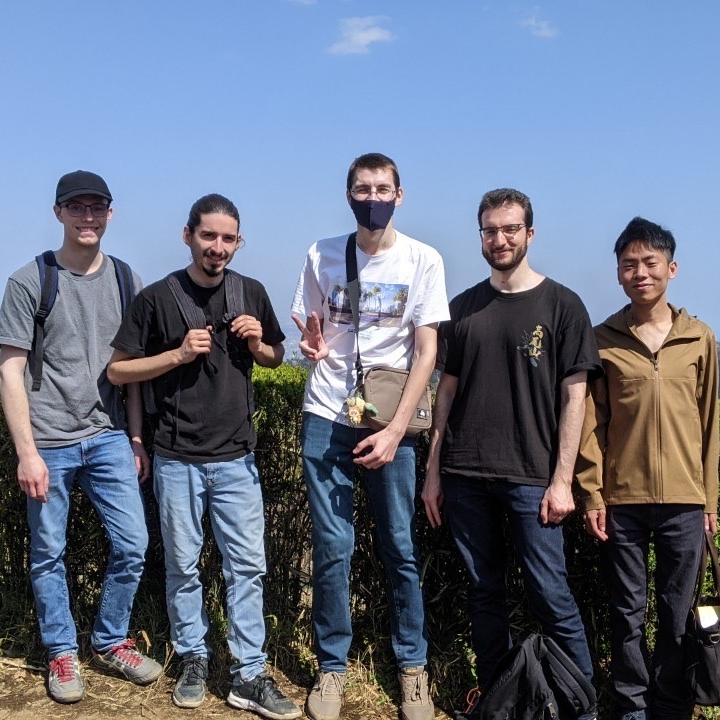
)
(358, 33)
(540, 28)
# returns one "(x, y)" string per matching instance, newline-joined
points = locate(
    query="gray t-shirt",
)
(76, 401)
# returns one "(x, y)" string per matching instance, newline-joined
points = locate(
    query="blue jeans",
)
(477, 511)
(329, 476)
(230, 492)
(677, 532)
(105, 468)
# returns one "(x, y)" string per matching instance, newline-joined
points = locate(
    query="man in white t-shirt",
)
(402, 300)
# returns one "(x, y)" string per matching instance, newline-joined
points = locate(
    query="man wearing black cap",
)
(67, 422)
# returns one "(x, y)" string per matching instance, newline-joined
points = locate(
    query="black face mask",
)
(372, 214)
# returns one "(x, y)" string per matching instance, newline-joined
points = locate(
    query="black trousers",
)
(677, 534)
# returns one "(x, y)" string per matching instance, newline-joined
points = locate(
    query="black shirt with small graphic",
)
(203, 410)
(510, 352)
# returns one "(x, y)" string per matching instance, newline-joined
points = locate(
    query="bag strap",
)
(234, 294)
(193, 316)
(48, 272)
(126, 286)
(186, 299)
(353, 282)
(189, 305)
(708, 549)
(49, 278)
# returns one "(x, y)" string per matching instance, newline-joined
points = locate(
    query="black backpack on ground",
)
(48, 271)
(534, 680)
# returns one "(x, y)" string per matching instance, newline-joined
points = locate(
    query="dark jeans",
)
(677, 533)
(476, 511)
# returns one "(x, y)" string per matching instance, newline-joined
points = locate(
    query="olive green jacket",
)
(651, 421)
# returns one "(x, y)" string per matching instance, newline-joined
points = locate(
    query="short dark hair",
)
(506, 196)
(372, 161)
(647, 233)
(212, 203)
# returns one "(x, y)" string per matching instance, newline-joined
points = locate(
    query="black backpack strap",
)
(565, 678)
(234, 294)
(126, 286)
(186, 299)
(48, 271)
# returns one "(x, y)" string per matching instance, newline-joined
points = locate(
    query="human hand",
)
(196, 342)
(595, 524)
(557, 503)
(34, 477)
(711, 522)
(432, 496)
(247, 327)
(377, 449)
(142, 460)
(312, 345)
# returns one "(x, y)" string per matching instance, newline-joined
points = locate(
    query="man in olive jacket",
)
(648, 468)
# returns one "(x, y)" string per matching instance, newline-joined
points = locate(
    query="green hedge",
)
(288, 590)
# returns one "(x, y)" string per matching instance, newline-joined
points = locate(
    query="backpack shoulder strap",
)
(126, 286)
(234, 294)
(48, 272)
(182, 291)
(566, 678)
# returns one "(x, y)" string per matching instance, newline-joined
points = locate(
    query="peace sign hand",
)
(312, 345)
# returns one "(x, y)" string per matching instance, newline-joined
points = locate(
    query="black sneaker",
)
(190, 688)
(262, 695)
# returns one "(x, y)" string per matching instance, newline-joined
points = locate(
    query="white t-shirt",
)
(400, 289)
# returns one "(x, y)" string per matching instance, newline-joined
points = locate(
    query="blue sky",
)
(598, 111)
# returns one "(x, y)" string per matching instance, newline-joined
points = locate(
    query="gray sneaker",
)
(325, 698)
(416, 702)
(123, 659)
(263, 696)
(64, 682)
(190, 688)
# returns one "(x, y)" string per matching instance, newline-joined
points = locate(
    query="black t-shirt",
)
(203, 409)
(510, 351)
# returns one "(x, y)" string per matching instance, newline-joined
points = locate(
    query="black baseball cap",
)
(81, 182)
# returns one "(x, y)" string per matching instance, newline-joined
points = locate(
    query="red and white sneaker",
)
(64, 683)
(123, 659)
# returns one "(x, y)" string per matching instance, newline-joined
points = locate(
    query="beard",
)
(211, 265)
(213, 271)
(509, 263)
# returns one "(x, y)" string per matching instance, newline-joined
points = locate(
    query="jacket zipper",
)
(657, 425)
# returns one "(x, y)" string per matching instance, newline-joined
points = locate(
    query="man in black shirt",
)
(194, 336)
(508, 416)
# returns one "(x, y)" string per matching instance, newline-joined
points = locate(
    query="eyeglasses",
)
(385, 194)
(490, 233)
(78, 209)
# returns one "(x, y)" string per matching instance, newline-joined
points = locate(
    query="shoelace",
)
(471, 698)
(266, 687)
(63, 667)
(330, 685)
(412, 687)
(125, 652)
(194, 670)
